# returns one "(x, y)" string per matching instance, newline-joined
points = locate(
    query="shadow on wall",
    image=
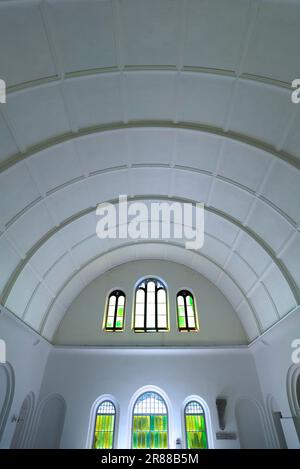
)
(293, 392)
(275, 416)
(49, 422)
(250, 424)
(23, 424)
(7, 389)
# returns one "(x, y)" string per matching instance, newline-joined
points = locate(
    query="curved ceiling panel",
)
(189, 111)
(63, 187)
(247, 110)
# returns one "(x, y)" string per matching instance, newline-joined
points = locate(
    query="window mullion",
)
(155, 299)
(186, 314)
(115, 312)
(145, 307)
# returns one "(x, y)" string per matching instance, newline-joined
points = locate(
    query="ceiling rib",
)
(289, 279)
(41, 82)
(206, 129)
(213, 174)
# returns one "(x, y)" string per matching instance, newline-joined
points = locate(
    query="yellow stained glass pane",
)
(104, 430)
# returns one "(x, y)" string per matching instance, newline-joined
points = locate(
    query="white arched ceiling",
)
(182, 100)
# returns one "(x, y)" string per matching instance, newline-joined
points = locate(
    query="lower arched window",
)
(150, 422)
(195, 426)
(105, 426)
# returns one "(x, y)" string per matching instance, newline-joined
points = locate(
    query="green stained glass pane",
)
(181, 322)
(152, 422)
(165, 423)
(196, 432)
(119, 323)
(120, 311)
(201, 423)
(142, 439)
(190, 300)
(190, 440)
(150, 431)
(156, 440)
(134, 440)
(203, 440)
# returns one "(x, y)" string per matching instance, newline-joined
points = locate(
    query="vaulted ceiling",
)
(160, 99)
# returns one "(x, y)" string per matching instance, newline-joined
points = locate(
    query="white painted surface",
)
(83, 323)
(273, 358)
(28, 359)
(81, 375)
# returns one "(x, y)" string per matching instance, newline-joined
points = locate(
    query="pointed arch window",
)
(186, 311)
(115, 312)
(150, 422)
(195, 426)
(151, 306)
(105, 423)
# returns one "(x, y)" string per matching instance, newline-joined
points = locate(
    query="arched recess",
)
(274, 415)
(208, 422)
(293, 393)
(7, 389)
(164, 396)
(49, 422)
(129, 252)
(21, 434)
(92, 419)
(251, 424)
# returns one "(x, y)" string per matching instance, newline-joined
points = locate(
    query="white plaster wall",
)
(81, 375)
(273, 357)
(27, 353)
(219, 323)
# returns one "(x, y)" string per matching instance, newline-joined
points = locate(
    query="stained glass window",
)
(195, 427)
(105, 426)
(115, 312)
(151, 307)
(186, 311)
(150, 422)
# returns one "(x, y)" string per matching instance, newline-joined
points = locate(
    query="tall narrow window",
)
(105, 426)
(150, 422)
(186, 311)
(150, 307)
(195, 427)
(115, 313)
